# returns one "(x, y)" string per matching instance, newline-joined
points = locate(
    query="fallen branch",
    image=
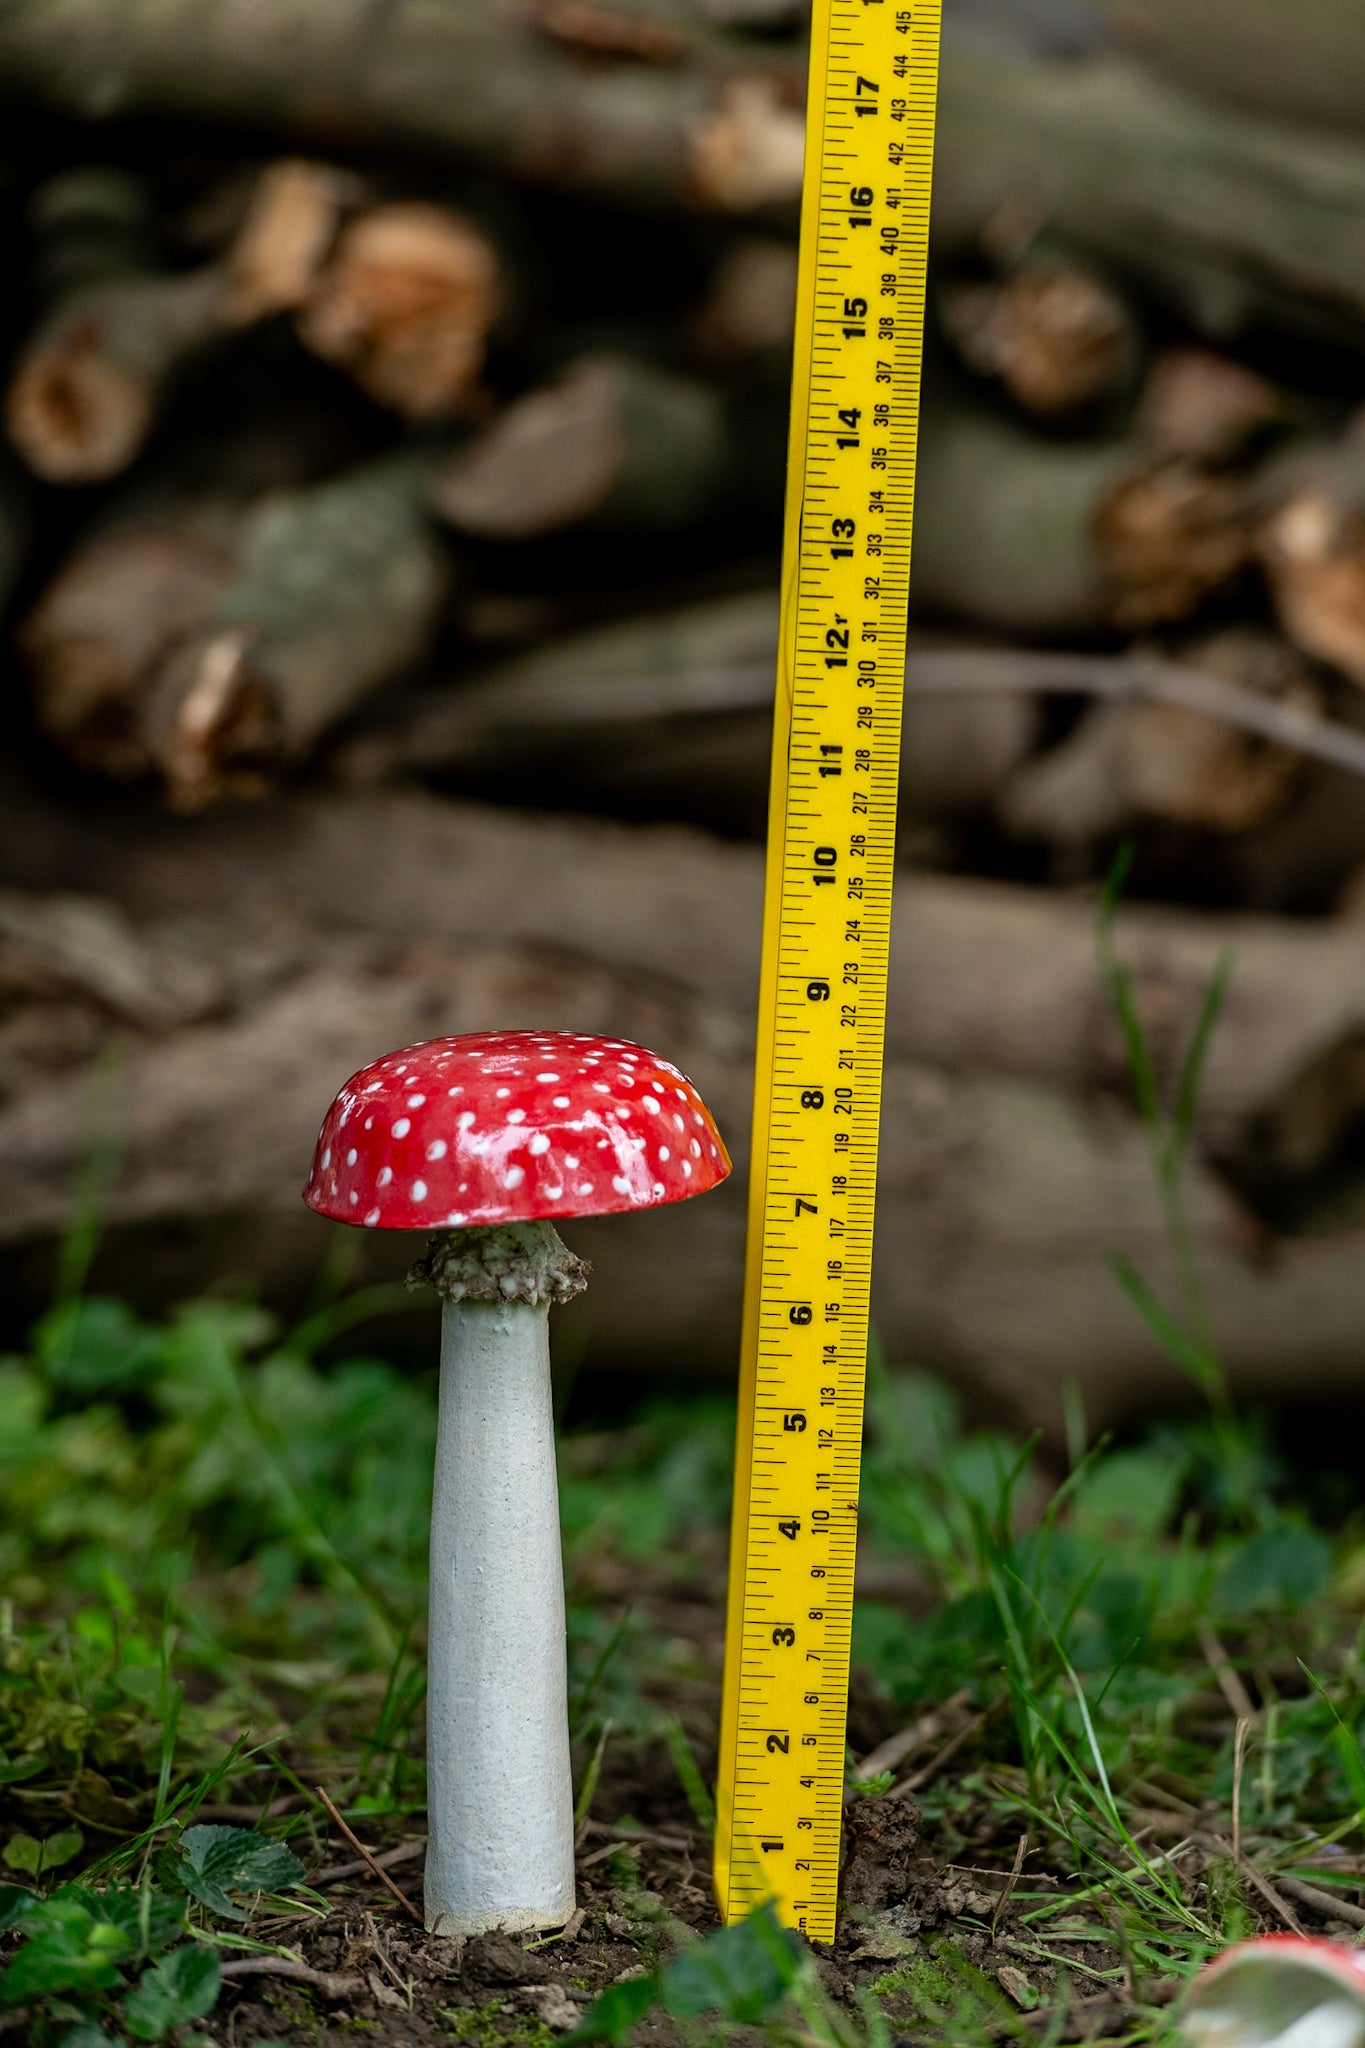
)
(1327, 1903)
(331, 1983)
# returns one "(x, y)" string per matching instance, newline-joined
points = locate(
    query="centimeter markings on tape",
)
(826, 946)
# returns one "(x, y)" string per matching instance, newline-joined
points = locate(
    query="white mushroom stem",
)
(500, 1848)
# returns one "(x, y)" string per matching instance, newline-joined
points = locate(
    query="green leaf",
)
(97, 1344)
(217, 1860)
(182, 1986)
(615, 2011)
(68, 1949)
(743, 1971)
(1286, 1566)
(15, 1903)
(23, 1852)
(88, 2037)
(149, 1919)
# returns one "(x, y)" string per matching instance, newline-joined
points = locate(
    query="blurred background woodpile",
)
(389, 530)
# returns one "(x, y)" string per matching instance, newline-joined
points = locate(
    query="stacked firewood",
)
(395, 416)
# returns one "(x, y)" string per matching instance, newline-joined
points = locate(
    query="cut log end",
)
(547, 464)
(75, 416)
(1058, 338)
(290, 226)
(1169, 537)
(749, 150)
(1205, 407)
(1313, 549)
(406, 306)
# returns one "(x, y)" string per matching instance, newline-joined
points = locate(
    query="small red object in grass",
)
(1282, 1991)
(502, 1126)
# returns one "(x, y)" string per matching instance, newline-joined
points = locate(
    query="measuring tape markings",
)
(826, 950)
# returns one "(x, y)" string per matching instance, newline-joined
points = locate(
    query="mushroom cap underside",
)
(511, 1126)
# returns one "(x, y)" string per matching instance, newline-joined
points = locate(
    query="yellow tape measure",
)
(826, 947)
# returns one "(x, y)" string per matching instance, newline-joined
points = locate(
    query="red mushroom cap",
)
(510, 1126)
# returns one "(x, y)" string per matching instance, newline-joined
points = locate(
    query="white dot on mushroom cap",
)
(621, 1184)
(503, 1091)
(456, 1216)
(416, 1101)
(457, 1090)
(516, 1116)
(659, 1188)
(570, 1161)
(371, 1217)
(540, 1143)
(419, 1191)
(466, 1119)
(584, 1187)
(402, 1127)
(651, 1105)
(369, 1123)
(687, 1168)
(696, 1149)
(437, 1150)
(384, 1176)
(514, 1176)
(601, 1087)
(326, 1159)
(355, 1200)
(663, 1152)
(657, 1086)
(352, 1156)
(547, 1077)
(561, 1101)
(552, 1194)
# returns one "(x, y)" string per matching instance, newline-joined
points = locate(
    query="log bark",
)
(1299, 65)
(1232, 222)
(208, 645)
(719, 127)
(665, 901)
(1000, 1201)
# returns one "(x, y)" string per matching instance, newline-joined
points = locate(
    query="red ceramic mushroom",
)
(488, 1140)
(1280, 1991)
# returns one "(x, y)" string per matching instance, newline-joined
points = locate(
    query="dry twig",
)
(404, 1901)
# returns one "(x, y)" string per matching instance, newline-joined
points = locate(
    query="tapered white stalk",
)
(500, 1849)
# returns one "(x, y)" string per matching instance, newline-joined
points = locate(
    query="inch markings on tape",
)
(826, 948)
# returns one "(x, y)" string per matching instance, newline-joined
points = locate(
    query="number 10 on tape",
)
(826, 946)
